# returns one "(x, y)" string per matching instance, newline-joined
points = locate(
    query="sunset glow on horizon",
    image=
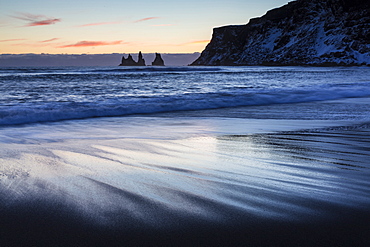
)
(77, 27)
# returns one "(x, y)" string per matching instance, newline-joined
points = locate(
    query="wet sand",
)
(186, 181)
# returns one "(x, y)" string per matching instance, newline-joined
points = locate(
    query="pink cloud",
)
(36, 20)
(10, 40)
(146, 19)
(48, 40)
(42, 43)
(100, 23)
(34, 44)
(43, 22)
(93, 43)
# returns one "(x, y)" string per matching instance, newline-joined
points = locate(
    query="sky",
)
(119, 26)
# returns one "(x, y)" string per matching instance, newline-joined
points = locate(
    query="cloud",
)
(42, 43)
(92, 43)
(45, 43)
(100, 24)
(146, 19)
(10, 40)
(48, 40)
(36, 20)
(43, 22)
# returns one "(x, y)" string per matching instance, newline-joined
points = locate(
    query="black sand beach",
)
(201, 178)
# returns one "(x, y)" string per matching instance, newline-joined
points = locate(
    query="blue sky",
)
(81, 26)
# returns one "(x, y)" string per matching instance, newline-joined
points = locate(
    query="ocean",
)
(193, 156)
(32, 95)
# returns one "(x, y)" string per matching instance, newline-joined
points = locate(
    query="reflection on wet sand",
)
(286, 188)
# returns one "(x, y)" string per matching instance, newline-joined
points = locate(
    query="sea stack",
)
(302, 32)
(129, 61)
(158, 61)
(140, 61)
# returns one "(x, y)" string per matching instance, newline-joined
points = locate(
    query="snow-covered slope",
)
(303, 32)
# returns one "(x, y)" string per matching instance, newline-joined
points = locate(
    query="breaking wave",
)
(33, 95)
(56, 111)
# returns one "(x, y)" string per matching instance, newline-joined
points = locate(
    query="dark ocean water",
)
(30, 95)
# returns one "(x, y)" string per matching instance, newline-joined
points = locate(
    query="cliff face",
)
(303, 32)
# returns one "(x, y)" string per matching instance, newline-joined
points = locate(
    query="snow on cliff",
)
(303, 32)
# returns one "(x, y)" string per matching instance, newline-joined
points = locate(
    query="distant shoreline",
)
(112, 59)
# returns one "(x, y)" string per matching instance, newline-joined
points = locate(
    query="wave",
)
(87, 70)
(157, 69)
(37, 112)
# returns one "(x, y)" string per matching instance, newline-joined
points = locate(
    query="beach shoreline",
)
(214, 177)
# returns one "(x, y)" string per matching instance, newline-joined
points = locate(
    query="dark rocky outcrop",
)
(158, 61)
(129, 61)
(303, 32)
(140, 61)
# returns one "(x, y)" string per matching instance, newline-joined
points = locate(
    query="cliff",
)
(303, 32)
